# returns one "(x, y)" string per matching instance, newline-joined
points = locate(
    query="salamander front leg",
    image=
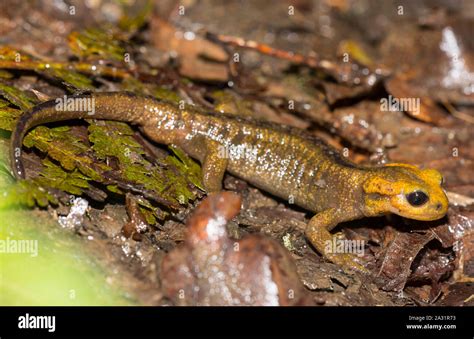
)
(318, 234)
(213, 166)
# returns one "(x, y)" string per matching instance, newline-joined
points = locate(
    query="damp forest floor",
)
(103, 205)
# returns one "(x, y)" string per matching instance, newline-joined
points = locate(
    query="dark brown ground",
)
(412, 263)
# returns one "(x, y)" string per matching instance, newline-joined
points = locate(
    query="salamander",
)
(286, 162)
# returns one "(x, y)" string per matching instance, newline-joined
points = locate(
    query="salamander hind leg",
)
(213, 166)
(317, 231)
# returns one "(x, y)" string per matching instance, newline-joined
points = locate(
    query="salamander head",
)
(407, 191)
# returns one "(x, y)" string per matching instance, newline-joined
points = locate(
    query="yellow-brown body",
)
(280, 160)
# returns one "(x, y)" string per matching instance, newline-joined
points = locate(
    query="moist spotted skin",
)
(281, 160)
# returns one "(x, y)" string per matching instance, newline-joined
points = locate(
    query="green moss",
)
(54, 176)
(5, 74)
(17, 97)
(75, 159)
(62, 145)
(71, 79)
(101, 160)
(133, 22)
(8, 117)
(169, 182)
(97, 43)
(159, 92)
(187, 166)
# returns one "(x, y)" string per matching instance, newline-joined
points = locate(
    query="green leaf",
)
(17, 97)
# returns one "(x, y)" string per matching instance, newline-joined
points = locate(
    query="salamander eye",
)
(441, 182)
(417, 198)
